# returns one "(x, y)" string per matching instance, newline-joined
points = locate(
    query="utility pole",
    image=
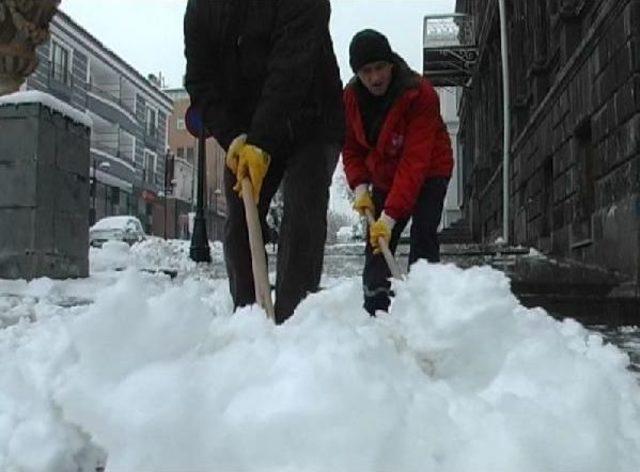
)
(169, 183)
(506, 114)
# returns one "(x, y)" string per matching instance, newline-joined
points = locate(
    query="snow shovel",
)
(258, 257)
(394, 268)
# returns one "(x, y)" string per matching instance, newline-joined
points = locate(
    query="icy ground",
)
(141, 372)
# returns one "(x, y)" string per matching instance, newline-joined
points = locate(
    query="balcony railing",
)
(127, 105)
(112, 151)
(127, 157)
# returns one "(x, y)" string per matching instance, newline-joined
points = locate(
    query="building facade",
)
(129, 114)
(184, 147)
(575, 112)
(448, 108)
(443, 32)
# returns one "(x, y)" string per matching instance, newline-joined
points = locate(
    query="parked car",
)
(116, 228)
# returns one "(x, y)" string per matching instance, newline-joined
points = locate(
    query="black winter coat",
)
(264, 67)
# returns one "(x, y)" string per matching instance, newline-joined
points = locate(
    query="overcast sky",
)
(148, 33)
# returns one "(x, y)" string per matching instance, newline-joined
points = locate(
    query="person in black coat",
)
(264, 77)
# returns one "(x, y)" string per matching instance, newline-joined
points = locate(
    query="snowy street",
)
(156, 374)
(493, 144)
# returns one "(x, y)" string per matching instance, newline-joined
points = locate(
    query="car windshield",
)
(116, 223)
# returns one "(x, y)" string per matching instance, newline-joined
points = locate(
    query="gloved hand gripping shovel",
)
(258, 257)
(393, 265)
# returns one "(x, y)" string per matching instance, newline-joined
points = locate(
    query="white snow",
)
(157, 375)
(116, 222)
(339, 194)
(345, 234)
(152, 254)
(49, 101)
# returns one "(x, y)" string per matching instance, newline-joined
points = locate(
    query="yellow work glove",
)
(363, 201)
(381, 229)
(234, 152)
(253, 162)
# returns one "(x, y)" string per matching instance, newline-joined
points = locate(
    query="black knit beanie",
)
(368, 46)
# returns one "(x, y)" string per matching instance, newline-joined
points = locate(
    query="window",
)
(581, 229)
(149, 166)
(60, 63)
(180, 152)
(152, 122)
(190, 155)
(180, 124)
(115, 196)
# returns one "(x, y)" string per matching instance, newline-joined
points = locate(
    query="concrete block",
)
(12, 240)
(71, 235)
(18, 183)
(69, 157)
(45, 159)
(71, 191)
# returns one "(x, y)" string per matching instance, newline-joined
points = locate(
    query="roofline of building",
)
(93, 43)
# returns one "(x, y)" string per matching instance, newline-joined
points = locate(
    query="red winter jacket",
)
(413, 145)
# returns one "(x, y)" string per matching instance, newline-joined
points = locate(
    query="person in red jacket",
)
(397, 157)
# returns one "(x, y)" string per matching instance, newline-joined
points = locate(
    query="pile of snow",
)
(345, 234)
(151, 254)
(458, 377)
(50, 102)
(113, 255)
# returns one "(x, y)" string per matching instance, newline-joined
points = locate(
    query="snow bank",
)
(151, 254)
(457, 378)
(50, 102)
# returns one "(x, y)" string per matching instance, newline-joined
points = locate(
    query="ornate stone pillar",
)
(24, 24)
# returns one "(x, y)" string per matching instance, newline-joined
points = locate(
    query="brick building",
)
(185, 149)
(575, 110)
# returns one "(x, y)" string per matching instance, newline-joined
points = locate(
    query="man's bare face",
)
(376, 77)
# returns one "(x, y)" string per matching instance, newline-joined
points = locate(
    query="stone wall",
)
(575, 176)
(44, 202)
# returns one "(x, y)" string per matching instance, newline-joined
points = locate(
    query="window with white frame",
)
(180, 125)
(60, 61)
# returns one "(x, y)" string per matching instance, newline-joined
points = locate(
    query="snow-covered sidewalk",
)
(157, 374)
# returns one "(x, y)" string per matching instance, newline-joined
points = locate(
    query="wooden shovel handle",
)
(256, 243)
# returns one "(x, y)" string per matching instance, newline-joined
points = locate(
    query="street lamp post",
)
(200, 250)
(94, 187)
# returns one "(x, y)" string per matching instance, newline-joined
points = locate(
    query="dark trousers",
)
(423, 242)
(305, 172)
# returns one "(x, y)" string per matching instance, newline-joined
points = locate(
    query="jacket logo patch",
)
(397, 140)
